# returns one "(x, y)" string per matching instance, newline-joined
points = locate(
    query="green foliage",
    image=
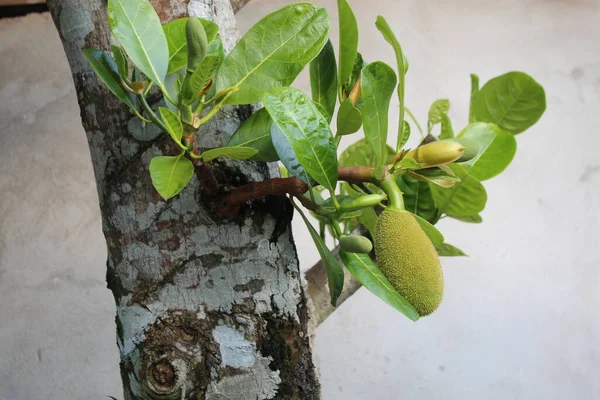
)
(136, 26)
(378, 83)
(178, 48)
(348, 34)
(513, 101)
(186, 60)
(296, 33)
(368, 274)
(255, 132)
(170, 174)
(307, 131)
(323, 79)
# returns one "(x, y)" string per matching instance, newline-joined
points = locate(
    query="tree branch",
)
(317, 291)
(293, 186)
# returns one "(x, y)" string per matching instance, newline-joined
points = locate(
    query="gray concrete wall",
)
(519, 318)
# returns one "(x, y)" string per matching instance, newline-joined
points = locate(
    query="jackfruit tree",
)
(186, 125)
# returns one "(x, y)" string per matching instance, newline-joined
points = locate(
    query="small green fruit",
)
(437, 153)
(197, 42)
(471, 148)
(407, 258)
(355, 244)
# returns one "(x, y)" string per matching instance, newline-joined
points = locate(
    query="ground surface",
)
(518, 320)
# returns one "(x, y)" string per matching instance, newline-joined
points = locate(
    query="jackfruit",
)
(407, 258)
(197, 42)
(355, 244)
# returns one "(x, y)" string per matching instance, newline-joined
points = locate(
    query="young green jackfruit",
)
(197, 42)
(355, 244)
(407, 258)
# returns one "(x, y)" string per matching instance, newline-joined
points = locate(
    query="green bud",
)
(196, 41)
(437, 153)
(355, 244)
(368, 200)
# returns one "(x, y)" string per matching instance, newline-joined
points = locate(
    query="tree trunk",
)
(206, 308)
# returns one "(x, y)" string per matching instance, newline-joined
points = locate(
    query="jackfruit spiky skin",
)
(407, 258)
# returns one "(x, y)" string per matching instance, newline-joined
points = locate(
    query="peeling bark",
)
(206, 308)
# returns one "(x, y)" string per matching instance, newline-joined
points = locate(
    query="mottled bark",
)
(206, 308)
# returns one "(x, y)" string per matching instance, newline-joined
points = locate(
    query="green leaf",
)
(287, 155)
(431, 231)
(255, 132)
(136, 26)
(199, 79)
(234, 153)
(368, 274)
(473, 219)
(170, 174)
(405, 135)
(348, 85)
(513, 101)
(497, 148)
(307, 131)
(106, 69)
(173, 86)
(378, 83)
(323, 79)
(335, 273)
(173, 124)
(175, 34)
(474, 91)
(369, 220)
(418, 198)
(468, 197)
(402, 63)
(121, 60)
(409, 163)
(349, 118)
(437, 109)
(447, 250)
(274, 51)
(447, 132)
(348, 35)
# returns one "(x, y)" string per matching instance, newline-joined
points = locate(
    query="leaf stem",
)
(414, 119)
(215, 110)
(151, 113)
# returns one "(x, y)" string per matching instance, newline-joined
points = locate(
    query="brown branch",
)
(293, 186)
(317, 291)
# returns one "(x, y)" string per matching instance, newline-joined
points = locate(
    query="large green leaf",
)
(349, 118)
(170, 174)
(466, 198)
(513, 101)
(402, 63)
(418, 198)
(274, 51)
(255, 132)
(348, 39)
(234, 153)
(335, 273)
(173, 124)
(496, 150)
(136, 26)
(175, 33)
(323, 79)
(307, 131)
(368, 274)
(107, 70)
(378, 83)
